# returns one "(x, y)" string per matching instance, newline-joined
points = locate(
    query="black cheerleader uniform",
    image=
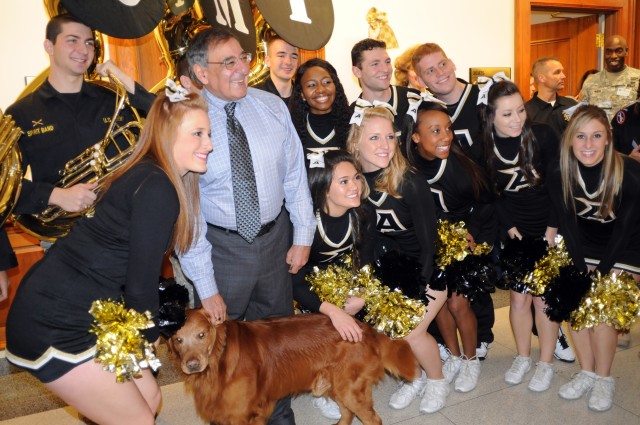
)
(333, 239)
(465, 121)
(320, 135)
(115, 255)
(407, 223)
(519, 204)
(454, 199)
(605, 242)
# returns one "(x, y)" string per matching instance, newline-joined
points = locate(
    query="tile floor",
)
(492, 402)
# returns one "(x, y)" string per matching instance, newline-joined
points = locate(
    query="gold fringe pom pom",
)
(612, 300)
(388, 311)
(121, 348)
(453, 244)
(335, 283)
(547, 268)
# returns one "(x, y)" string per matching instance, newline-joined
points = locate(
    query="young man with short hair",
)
(282, 59)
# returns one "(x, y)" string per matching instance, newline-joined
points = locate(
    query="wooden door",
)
(573, 41)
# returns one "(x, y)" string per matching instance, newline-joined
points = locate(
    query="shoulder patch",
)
(621, 116)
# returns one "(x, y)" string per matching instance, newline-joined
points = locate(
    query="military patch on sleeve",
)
(621, 117)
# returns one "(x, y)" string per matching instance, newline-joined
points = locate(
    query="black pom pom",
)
(400, 271)
(173, 304)
(468, 277)
(564, 294)
(518, 258)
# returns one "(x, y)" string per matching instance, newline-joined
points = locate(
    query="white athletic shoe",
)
(578, 386)
(482, 351)
(328, 408)
(519, 368)
(407, 392)
(451, 367)
(435, 396)
(468, 377)
(602, 394)
(541, 380)
(563, 351)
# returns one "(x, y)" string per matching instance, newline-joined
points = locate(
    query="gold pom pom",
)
(388, 311)
(121, 348)
(453, 244)
(612, 300)
(547, 268)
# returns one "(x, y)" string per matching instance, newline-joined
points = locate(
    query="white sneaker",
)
(578, 386)
(519, 368)
(602, 394)
(541, 380)
(435, 396)
(451, 367)
(468, 377)
(482, 351)
(328, 408)
(407, 392)
(563, 351)
(444, 352)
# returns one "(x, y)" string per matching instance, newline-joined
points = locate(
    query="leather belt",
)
(264, 229)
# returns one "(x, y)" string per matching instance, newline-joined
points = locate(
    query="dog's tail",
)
(397, 358)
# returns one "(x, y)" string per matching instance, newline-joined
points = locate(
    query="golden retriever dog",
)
(238, 370)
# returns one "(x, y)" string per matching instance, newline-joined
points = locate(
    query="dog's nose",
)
(193, 365)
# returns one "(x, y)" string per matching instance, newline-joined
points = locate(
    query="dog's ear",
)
(205, 314)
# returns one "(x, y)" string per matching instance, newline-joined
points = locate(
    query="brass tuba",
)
(10, 168)
(95, 164)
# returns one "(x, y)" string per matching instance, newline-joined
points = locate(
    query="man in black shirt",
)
(546, 105)
(282, 60)
(438, 73)
(372, 67)
(65, 116)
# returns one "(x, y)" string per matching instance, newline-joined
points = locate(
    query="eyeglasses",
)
(230, 63)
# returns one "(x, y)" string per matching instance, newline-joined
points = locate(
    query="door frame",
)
(619, 20)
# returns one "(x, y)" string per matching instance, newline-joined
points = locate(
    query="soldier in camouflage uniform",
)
(616, 86)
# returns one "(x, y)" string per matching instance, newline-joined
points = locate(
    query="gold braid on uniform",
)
(612, 300)
(121, 348)
(388, 311)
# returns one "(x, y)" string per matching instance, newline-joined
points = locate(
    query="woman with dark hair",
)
(147, 207)
(345, 226)
(461, 193)
(319, 107)
(596, 193)
(406, 221)
(517, 154)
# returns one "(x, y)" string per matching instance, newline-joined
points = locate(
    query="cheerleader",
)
(405, 218)
(344, 226)
(517, 154)
(457, 184)
(595, 191)
(319, 108)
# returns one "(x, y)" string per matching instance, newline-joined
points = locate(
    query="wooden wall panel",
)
(621, 20)
(570, 40)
